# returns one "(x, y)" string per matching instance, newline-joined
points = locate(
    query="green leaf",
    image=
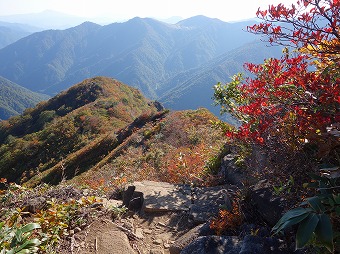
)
(331, 202)
(28, 245)
(311, 185)
(30, 227)
(336, 198)
(306, 229)
(337, 210)
(324, 232)
(290, 215)
(316, 204)
(289, 223)
(24, 251)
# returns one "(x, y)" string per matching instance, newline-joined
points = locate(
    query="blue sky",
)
(227, 10)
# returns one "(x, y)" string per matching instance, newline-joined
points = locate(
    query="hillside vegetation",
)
(103, 125)
(14, 99)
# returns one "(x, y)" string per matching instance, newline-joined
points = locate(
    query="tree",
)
(294, 100)
(297, 97)
(312, 24)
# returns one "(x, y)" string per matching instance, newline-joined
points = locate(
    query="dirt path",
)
(151, 233)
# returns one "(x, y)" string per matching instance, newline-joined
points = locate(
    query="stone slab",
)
(162, 196)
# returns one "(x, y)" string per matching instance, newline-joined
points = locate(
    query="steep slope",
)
(86, 115)
(144, 53)
(14, 99)
(194, 88)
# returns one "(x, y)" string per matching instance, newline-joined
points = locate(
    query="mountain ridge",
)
(142, 52)
(94, 125)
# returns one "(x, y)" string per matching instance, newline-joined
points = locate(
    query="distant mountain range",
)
(14, 99)
(175, 63)
(11, 32)
(45, 20)
(50, 19)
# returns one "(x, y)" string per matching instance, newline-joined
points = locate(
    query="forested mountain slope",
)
(14, 99)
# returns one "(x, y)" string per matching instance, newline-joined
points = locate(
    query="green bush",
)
(315, 215)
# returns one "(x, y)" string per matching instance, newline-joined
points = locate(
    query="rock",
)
(261, 245)
(230, 172)
(147, 231)
(35, 204)
(200, 230)
(158, 241)
(86, 192)
(207, 202)
(156, 251)
(127, 224)
(110, 203)
(252, 229)
(160, 196)
(270, 208)
(213, 244)
(158, 105)
(139, 233)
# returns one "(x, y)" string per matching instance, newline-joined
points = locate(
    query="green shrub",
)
(315, 215)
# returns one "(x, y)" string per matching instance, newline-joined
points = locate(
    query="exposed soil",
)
(132, 233)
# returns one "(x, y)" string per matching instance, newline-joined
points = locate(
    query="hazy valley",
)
(177, 64)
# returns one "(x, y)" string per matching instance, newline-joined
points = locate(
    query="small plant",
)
(227, 219)
(315, 215)
(57, 219)
(284, 187)
(18, 239)
(118, 212)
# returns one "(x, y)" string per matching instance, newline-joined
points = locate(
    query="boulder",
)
(269, 207)
(261, 245)
(157, 196)
(229, 171)
(34, 204)
(207, 201)
(188, 237)
(213, 245)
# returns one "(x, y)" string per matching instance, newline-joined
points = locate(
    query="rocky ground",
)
(157, 217)
(167, 218)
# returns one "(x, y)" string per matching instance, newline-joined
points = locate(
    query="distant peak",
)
(198, 21)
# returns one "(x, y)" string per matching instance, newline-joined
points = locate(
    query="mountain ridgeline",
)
(101, 127)
(164, 61)
(11, 32)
